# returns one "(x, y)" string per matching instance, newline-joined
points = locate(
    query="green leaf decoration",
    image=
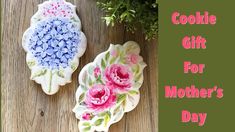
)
(132, 100)
(98, 122)
(31, 63)
(86, 124)
(87, 129)
(116, 110)
(137, 85)
(137, 69)
(84, 88)
(39, 73)
(84, 77)
(128, 49)
(90, 81)
(103, 64)
(133, 92)
(121, 97)
(91, 70)
(112, 60)
(107, 118)
(99, 80)
(118, 113)
(73, 66)
(122, 60)
(73, 18)
(122, 54)
(102, 114)
(138, 77)
(60, 73)
(107, 56)
(81, 97)
(123, 104)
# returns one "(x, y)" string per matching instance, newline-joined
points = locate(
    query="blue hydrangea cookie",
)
(54, 43)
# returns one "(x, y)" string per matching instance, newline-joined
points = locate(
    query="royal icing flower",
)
(54, 42)
(97, 72)
(57, 8)
(119, 77)
(99, 97)
(114, 53)
(86, 116)
(133, 59)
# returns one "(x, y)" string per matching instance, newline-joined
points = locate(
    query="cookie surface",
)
(109, 87)
(54, 43)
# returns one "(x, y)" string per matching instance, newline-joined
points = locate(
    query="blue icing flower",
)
(54, 42)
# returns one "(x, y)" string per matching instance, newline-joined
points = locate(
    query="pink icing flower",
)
(86, 116)
(132, 59)
(97, 72)
(118, 77)
(100, 97)
(114, 53)
(58, 8)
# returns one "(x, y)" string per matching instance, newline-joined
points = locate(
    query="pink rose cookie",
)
(109, 87)
(54, 43)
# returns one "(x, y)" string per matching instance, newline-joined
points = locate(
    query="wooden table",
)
(25, 108)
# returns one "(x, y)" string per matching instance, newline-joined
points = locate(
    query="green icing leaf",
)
(102, 114)
(31, 63)
(117, 113)
(137, 69)
(107, 56)
(60, 73)
(87, 129)
(116, 110)
(103, 64)
(132, 100)
(121, 97)
(107, 118)
(123, 104)
(122, 60)
(83, 87)
(73, 66)
(81, 97)
(84, 77)
(138, 77)
(122, 54)
(86, 124)
(133, 92)
(90, 81)
(90, 70)
(39, 73)
(112, 60)
(74, 19)
(137, 85)
(98, 122)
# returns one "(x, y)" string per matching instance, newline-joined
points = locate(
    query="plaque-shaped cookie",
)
(109, 87)
(54, 43)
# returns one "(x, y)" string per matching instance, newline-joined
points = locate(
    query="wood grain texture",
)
(25, 108)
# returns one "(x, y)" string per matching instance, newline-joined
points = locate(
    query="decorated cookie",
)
(54, 43)
(109, 87)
